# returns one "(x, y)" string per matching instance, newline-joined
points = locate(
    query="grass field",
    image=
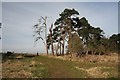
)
(50, 67)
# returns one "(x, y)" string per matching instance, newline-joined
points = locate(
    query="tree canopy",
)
(79, 35)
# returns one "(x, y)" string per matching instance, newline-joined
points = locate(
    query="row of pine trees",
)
(74, 34)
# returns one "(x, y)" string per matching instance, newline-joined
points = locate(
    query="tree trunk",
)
(51, 39)
(86, 52)
(60, 48)
(57, 49)
(45, 19)
(52, 49)
(63, 47)
(56, 52)
(46, 49)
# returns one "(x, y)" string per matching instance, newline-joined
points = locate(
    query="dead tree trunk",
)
(45, 23)
(39, 28)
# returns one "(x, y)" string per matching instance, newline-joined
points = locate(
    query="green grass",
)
(40, 72)
(12, 68)
(46, 67)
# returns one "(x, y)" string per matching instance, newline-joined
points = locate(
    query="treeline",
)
(77, 35)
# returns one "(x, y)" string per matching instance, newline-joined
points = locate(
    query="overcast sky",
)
(59, 0)
(19, 17)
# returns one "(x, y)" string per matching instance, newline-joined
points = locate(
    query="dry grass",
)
(15, 69)
(96, 66)
(96, 72)
(21, 68)
(99, 72)
(90, 58)
(89, 66)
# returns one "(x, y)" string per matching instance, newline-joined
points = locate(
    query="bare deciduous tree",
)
(39, 29)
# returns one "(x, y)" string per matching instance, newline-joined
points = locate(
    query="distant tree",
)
(40, 28)
(104, 46)
(114, 43)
